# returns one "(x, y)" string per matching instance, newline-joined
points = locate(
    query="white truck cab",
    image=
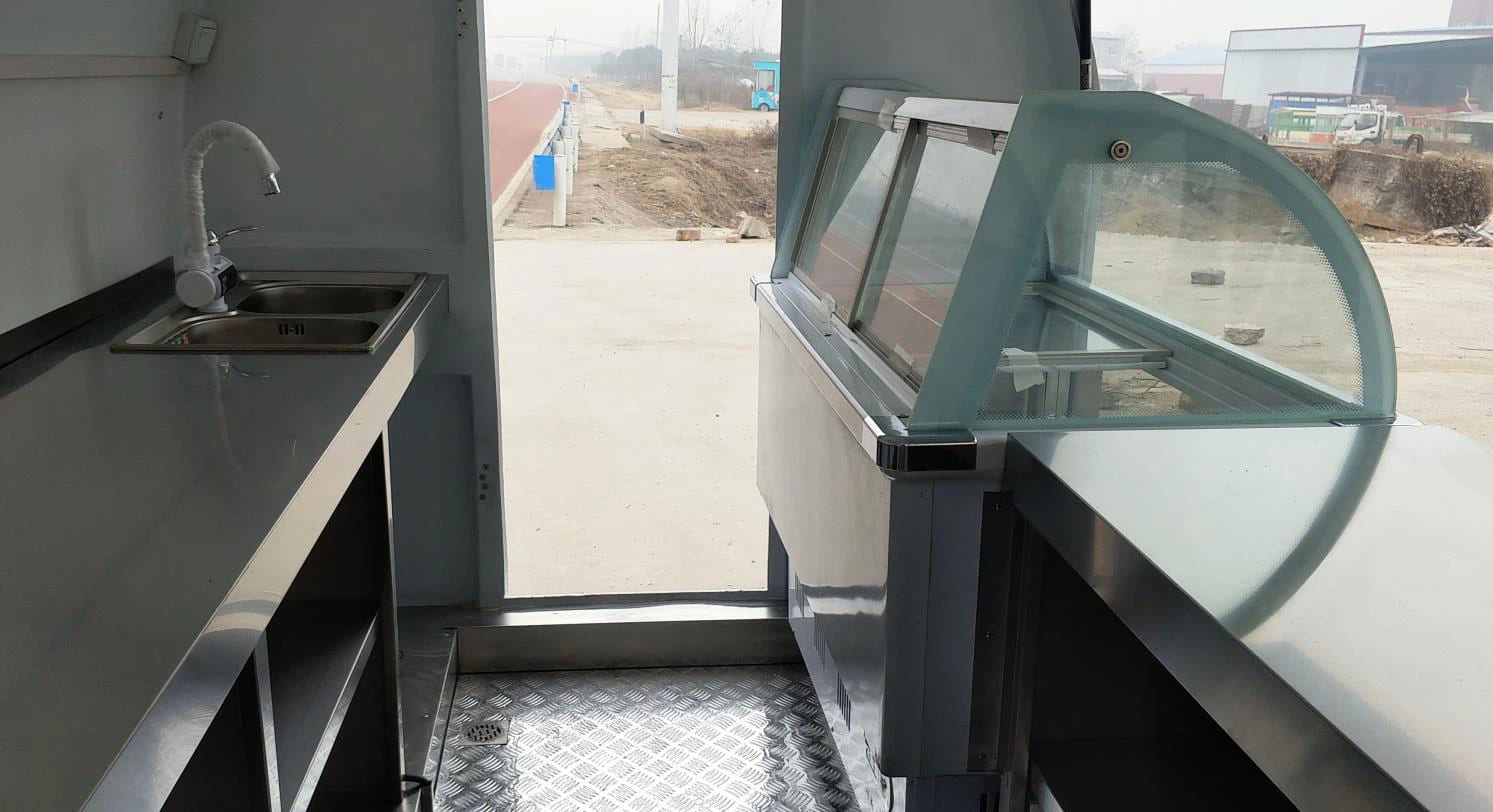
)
(1375, 125)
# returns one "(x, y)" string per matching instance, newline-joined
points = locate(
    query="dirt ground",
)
(694, 187)
(615, 94)
(651, 185)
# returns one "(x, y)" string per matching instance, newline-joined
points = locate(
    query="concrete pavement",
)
(1439, 299)
(629, 396)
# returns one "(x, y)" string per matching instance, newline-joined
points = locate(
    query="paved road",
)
(517, 113)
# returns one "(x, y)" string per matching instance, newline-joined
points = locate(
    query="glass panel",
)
(1062, 362)
(907, 298)
(765, 80)
(847, 204)
(1231, 305)
(1087, 394)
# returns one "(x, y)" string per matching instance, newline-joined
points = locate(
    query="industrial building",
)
(1263, 62)
(1417, 70)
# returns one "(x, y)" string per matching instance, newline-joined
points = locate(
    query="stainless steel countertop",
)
(153, 510)
(1352, 563)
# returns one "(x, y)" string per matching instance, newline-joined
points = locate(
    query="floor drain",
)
(492, 731)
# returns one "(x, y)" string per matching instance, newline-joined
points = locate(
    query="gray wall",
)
(979, 49)
(87, 164)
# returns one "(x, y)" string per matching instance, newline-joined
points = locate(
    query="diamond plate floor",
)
(686, 739)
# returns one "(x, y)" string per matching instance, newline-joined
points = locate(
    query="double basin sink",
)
(284, 312)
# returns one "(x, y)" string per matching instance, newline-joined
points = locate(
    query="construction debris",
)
(1208, 276)
(753, 228)
(672, 139)
(1480, 236)
(1243, 334)
(687, 235)
(732, 236)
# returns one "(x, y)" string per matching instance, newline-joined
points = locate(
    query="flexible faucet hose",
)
(194, 252)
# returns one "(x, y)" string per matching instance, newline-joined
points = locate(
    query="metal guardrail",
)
(554, 165)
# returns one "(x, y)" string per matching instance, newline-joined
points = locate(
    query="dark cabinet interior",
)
(312, 721)
(1112, 729)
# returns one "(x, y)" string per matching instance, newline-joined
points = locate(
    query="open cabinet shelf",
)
(312, 721)
(317, 653)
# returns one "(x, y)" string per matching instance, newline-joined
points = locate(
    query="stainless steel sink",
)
(283, 312)
(324, 299)
(274, 332)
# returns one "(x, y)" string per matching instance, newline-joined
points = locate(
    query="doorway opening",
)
(627, 340)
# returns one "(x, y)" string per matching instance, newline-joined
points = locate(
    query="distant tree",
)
(759, 20)
(633, 64)
(696, 30)
(726, 35)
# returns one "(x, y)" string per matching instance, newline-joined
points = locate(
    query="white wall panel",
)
(87, 172)
(376, 111)
(1251, 76)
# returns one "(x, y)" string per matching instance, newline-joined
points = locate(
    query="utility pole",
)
(669, 78)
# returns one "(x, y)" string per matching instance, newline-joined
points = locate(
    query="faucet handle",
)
(213, 237)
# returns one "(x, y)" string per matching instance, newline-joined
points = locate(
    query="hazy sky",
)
(1159, 24)
(1163, 25)
(597, 22)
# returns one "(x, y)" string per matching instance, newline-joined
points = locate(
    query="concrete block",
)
(687, 235)
(753, 228)
(1243, 334)
(1208, 276)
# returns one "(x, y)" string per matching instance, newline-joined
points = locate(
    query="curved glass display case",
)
(955, 271)
(1080, 260)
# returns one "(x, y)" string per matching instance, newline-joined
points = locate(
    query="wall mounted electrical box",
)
(194, 39)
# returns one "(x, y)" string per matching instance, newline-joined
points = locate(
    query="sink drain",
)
(490, 732)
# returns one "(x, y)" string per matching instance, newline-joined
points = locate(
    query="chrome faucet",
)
(203, 274)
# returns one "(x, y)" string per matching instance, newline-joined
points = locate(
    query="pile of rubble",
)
(1478, 236)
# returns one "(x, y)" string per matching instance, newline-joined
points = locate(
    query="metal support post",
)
(562, 183)
(670, 72)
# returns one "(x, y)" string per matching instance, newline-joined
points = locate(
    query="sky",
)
(593, 25)
(1162, 25)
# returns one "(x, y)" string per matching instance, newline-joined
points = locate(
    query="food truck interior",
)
(1051, 527)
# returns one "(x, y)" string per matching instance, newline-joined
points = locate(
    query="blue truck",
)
(765, 97)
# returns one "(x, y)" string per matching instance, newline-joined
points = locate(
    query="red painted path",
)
(515, 122)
